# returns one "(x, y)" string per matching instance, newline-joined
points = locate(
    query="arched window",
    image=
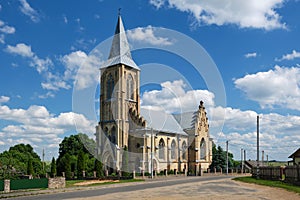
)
(113, 135)
(202, 149)
(173, 150)
(109, 86)
(161, 150)
(105, 130)
(130, 94)
(184, 149)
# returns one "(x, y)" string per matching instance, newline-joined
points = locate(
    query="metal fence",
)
(28, 183)
(1, 185)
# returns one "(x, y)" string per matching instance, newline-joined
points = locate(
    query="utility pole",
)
(43, 160)
(227, 157)
(257, 140)
(262, 157)
(242, 161)
(151, 153)
(267, 160)
(244, 157)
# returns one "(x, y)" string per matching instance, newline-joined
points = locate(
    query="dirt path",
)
(223, 189)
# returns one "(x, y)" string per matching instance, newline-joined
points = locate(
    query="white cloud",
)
(40, 128)
(20, 49)
(251, 55)
(174, 99)
(4, 99)
(81, 68)
(240, 129)
(65, 19)
(290, 56)
(238, 126)
(47, 95)
(147, 35)
(6, 29)
(157, 3)
(26, 9)
(245, 14)
(276, 87)
(2, 41)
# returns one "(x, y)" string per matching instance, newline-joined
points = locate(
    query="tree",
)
(29, 167)
(80, 164)
(98, 168)
(67, 165)
(73, 145)
(15, 162)
(218, 158)
(53, 168)
(125, 169)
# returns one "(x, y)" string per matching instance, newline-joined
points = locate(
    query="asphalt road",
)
(120, 188)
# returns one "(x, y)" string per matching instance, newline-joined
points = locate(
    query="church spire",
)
(120, 51)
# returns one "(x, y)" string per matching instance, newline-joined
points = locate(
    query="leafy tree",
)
(80, 164)
(29, 167)
(74, 145)
(125, 168)
(53, 168)
(15, 162)
(67, 165)
(219, 159)
(98, 168)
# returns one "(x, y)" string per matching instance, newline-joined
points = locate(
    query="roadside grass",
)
(71, 183)
(277, 184)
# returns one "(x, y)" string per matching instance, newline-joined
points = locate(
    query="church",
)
(152, 140)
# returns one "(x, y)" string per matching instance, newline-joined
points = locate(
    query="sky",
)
(242, 58)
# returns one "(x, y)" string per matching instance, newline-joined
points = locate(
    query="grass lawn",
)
(71, 183)
(278, 184)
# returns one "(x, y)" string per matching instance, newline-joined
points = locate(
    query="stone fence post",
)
(6, 186)
(133, 174)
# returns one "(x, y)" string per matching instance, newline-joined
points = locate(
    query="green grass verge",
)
(71, 183)
(277, 184)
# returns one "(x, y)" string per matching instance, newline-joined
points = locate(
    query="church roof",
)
(120, 51)
(186, 120)
(161, 121)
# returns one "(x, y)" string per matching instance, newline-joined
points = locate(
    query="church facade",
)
(152, 140)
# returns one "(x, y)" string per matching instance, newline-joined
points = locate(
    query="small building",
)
(296, 158)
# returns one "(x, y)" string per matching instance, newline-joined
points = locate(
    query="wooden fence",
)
(290, 174)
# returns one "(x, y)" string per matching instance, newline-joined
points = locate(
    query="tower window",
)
(113, 135)
(202, 149)
(130, 93)
(110, 86)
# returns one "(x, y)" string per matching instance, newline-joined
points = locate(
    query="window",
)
(161, 150)
(184, 149)
(202, 150)
(113, 135)
(173, 150)
(109, 86)
(130, 93)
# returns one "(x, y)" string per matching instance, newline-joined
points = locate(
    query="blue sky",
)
(254, 45)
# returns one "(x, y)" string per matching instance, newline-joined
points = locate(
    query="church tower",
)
(119, 94)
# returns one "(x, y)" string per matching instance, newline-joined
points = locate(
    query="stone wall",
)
(58, 182)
